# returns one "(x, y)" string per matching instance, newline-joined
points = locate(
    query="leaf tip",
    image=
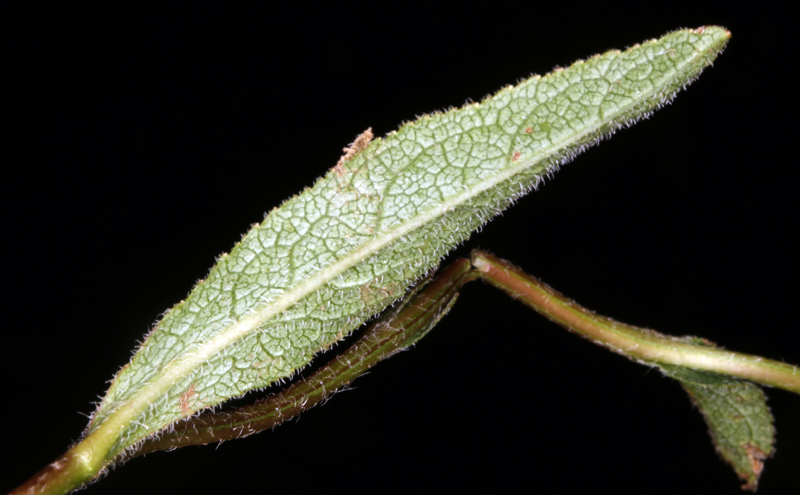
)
(720, 34)
(756, 456)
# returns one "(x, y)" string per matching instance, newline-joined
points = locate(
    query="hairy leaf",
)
(342, 251)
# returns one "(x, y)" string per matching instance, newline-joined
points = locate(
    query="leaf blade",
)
(738, 419)
(337, 254)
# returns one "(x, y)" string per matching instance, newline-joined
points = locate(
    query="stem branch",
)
(639, 344)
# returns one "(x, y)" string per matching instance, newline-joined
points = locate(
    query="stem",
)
(70, 471)
(639, 344)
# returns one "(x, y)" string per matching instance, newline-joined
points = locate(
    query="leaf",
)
(342, 251)
(737, 415)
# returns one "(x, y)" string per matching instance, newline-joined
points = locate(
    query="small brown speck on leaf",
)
(185, 398)
(361, 142)
(516, 156)
(528, 130)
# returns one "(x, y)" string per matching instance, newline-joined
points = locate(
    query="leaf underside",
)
(339, 253)
(737, 415)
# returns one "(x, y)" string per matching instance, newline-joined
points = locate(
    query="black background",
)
(143, 143)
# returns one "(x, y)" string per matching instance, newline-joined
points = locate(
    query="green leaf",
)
(738, 419)
(737, 415)
(339, 253)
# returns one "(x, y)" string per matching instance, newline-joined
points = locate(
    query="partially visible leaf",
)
(737, 415)
(395, 331)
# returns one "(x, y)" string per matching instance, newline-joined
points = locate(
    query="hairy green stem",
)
(635, 343)
(76, 467)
